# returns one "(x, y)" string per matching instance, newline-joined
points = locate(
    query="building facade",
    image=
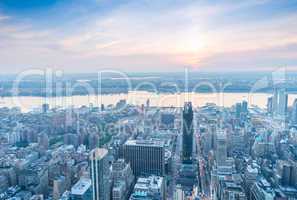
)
(145, 157)
(100, 174)
(187, 133)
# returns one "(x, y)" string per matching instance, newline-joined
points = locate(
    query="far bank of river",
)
(27, 103)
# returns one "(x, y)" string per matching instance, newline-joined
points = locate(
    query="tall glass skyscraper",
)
(280, 102)
(187, 133)
(100, 174)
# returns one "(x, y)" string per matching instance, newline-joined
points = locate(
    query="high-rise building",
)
(58, 187)
(179, 194)
(294, 112)
(123, 179)
(187, 133)
(221, 148)
(43, 141)
(236, 142)
(238, 110)
(274, 101)
(250, 177)
(93, 140)
(283, 103)
(262, 190)
(286, 171)
(45, 108)
(230, 189)
(280, 102)
(167, 120)
(146, 157)
(148, 103)
(4, 183)
(100, 174)
(119, 191)
(270, 105)
(244, 106)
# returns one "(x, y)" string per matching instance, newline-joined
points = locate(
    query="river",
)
(28, 103)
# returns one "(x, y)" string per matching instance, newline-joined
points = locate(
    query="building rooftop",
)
(152, 182)
(81, 186)
(98, 153)
(148, 188)
(251, 169)
(156, 143)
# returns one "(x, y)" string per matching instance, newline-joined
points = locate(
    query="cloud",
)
(177, 29)
(4, 18)
(261, 59)
(257, 45)
(156, 36)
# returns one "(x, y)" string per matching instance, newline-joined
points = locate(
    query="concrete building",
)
(179, 194)
(237, 110)
(294, 112)
(123, 180)
(59, 187)
(145, 157)
(152, 187)
(262, 190)
(82, 190)
(280, 103)
(270, 105)
(230, 190)
(250, 177)
(119, 191)
(221, 148)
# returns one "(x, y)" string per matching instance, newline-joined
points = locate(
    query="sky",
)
(148, 35)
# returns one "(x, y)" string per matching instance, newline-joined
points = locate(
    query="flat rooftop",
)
(98, 153)
(152, 182)
(145, 143)
(81, 186)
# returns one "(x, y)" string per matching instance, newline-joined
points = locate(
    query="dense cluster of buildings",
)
(126, 152)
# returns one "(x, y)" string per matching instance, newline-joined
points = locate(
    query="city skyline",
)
(148, 100)
(140, 36)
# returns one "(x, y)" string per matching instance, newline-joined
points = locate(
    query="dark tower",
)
(187, 133)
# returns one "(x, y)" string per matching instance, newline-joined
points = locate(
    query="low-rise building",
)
(82, 190)
(150, 188)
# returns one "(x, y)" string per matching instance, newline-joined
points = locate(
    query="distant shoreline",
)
(121, 93)
(124, 93)
(226, 99)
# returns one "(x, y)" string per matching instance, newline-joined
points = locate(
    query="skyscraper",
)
(244, 106)
(58, 187)
(238, 108)
(280, 102)
(294, 112)
(145, 157)
(123, 179)
(100, 174)
(221, 148)
(274, 101)
(270, 105)
(45, 108)
(187, 133)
